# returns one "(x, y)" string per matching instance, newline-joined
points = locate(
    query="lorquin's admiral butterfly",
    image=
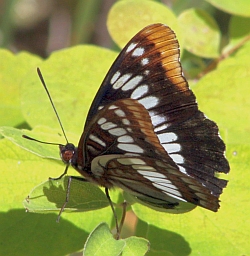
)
(145, 134)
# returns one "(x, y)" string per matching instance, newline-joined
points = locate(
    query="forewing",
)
(122, 127)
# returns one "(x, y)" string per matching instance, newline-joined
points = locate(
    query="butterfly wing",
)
(155, 183)
(148, 70)
(120, 136)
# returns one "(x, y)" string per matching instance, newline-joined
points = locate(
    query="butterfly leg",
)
(67, 193)
(64, 173)
(117, 236)
(67, 197)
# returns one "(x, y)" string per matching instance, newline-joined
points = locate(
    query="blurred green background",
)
(42, 27)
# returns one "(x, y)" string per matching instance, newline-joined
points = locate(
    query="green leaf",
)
(13, 70)
(40, 133)
(124, 13)
(51, 195)
(73, 77)
(136, 246)
(101, 242)
(199, 28)
(224, 94)
(239, 31)
(241, 7)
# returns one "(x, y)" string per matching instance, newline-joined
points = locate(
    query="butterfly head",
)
(68, 153)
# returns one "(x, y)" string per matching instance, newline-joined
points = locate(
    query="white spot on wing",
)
(130, 161)
(138, 52)
(196, 188)
(144, 61)
(204, 203)
(161, 127)
(145, 167)
(177, 158)
(158, 180)
(131, 47)
(153, 174)
(169, 185)
(139, 91)
(112, 107)
(117, 131)
(130, 148)
(97, 140)
(182, 169)
(102, 120)
(131, 154)
(121, 81)
(125, 121)
(172, 147)
(167, 137)
(202, 196)
(91, 149)
(126, 139)
(129, 129)
(108, 125)
(120, 113)
(149, 102)
(158, 119)
(169, 191)
(132, 83)
(115, 77)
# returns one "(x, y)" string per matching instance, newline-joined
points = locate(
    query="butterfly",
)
(145, 134)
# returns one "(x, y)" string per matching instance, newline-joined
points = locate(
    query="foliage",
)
(73, 76)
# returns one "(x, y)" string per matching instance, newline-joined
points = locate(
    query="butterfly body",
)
(145, 134)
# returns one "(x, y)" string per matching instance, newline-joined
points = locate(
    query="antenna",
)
(53, 106)
(43, 142)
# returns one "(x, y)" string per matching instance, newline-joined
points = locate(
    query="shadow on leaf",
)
(163, 242)
(27, 234)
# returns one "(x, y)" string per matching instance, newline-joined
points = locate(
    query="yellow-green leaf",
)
(200, 33)
(241, 7)
(126, 18)
(13, 70)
